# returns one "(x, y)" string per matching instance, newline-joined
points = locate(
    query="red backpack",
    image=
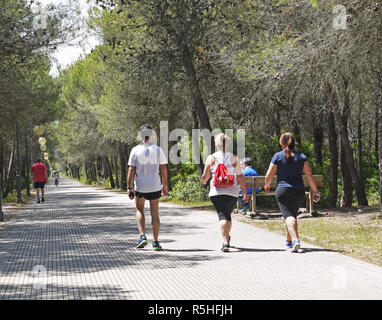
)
(223, 179)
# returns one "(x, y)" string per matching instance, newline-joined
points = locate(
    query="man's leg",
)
(38, 193)
(155, 221)
(42, 194)
(140, 214)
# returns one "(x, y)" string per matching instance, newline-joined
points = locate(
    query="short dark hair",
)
(38, 160)
(248, 161)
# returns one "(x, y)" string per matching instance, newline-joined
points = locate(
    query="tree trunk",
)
(376, 127)
(380, 170)
(94, 169)
(99, 167)
(333, 154)
(296, 132)
(27, 165)
(199, 163)
(105, 168)
(122, 161)
(1, 180)
(360, 154)
(199, 106)
(71, 166)
(341, 114)
(277, 124)
(1, 163)
(347, 183)
(87, 173)
(109, 172)
(318, 135)
(116, 171)
(8, 178)
(23, 171)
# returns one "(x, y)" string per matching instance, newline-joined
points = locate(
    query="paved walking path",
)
(80, 244)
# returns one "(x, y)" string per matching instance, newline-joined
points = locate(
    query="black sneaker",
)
(225, 247)
(38, 201)
(142, 242)
(156, 246)
(42, 200)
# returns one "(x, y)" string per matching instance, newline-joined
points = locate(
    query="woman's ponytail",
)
(288, 144)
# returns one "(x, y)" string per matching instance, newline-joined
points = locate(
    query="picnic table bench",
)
(258, 182)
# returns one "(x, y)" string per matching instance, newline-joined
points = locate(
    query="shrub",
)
(189, 188)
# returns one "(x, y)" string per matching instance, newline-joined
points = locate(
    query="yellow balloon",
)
(43, 147)
(38, 130)
(46, 156)
(41, 140)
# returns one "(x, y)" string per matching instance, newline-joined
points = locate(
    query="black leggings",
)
(224, 205)
(289, 200)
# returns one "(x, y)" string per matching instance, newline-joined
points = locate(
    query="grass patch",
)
(12, 198)
(190, 204)
(357, 237)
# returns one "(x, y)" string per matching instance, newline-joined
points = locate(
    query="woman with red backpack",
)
(224, 189)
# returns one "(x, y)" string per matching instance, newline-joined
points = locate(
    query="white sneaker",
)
(296, 244)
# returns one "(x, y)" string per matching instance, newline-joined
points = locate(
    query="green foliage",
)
(189, 188)
(107, 183)
(372, 186)
(261, 150)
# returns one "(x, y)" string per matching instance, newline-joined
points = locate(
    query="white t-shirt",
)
(146, 159)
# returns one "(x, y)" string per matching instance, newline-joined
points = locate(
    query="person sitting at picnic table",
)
(248, 171)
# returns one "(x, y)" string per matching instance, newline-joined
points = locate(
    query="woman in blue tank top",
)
(289, 165)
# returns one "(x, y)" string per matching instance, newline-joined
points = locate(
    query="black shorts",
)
(224, 205)
(149, 195)
(289, 200)
(39, 185)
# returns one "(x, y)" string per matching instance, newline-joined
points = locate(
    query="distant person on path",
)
(40, 177)
(56, 177)
(148, 166)
(289, 165)
(224, 198)
(247, 172)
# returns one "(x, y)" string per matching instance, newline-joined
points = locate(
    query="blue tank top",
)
(289, 173)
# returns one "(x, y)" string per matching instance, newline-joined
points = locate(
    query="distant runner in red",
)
(40, 177)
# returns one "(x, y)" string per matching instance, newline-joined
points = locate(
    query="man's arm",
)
(130, 177)
(163, 174)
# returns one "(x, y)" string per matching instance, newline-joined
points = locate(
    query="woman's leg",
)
(225, 229)
(224, 206)
(288, 235)
(291, 225)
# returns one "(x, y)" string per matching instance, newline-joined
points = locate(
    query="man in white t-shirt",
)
(148, 165)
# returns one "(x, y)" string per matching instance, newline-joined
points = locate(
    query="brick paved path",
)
(80, 244)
